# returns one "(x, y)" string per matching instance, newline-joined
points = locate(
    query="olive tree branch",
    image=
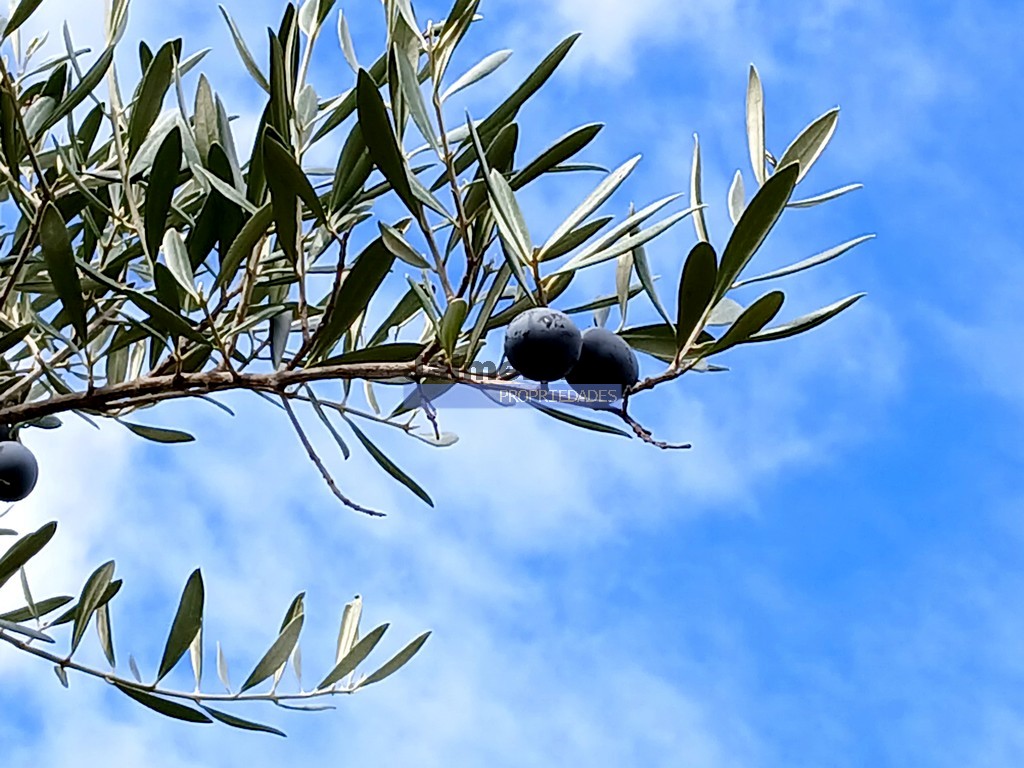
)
(196, 696)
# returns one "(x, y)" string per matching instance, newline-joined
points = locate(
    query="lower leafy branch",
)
(24, 627)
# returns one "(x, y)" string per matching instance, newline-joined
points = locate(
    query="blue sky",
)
(830, 577)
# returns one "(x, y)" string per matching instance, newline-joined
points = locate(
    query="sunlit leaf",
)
(755, 125)
(276, 655)
(354, 657)
(806, 322)
(90, 599)
(187, 621)
(808, 146)
(23, 550)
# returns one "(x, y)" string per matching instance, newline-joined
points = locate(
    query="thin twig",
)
(195, 696)
(320, 465)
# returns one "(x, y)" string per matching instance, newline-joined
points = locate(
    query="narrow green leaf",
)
(353, 169)
(824, 197)
(806, 322)
(396, 662)
(222, 669)
(285, 176)
(163, 706)
(808, 146)
(388, 465)
(21, 629)
(754, 225)
(498, 284)
(280, 329)
(151, 96)
(158, 434)
(561, 150)
(164, 317)
(225, 189)
(737, 199)
(577, 421)
(348, 630)
(577, 237)
(205, 118)
(754, 318)
(657, 340)
(397, 352)
(21, 14)
(755, 125)
(105, 634)
(23, 550)
(42, 607)
(60, 264)
(616, 233)
(366, 276)
(134, 667)
(72, 613)
(592, 202)
(627, 243)
(277, 654)
(813, 261)
(507, 110)
(696, 292)
(381, 140)
(162, 181)
(187, 621)
(696, 192)
(82, 89)
(643, 271)
(241, 247)
(92, 594)
(399, 246)
(237, 722)
(477, 72)
(348, 50)
(178, 262)
(354, 657)
(322, 415)
(451, 324)
(603, 301)
(243, 51)
(414, 99)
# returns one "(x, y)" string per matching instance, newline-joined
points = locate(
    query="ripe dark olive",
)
(606, 366)
(542, 344)
(18, 471)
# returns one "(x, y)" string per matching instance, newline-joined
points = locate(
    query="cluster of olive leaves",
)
(152, 260)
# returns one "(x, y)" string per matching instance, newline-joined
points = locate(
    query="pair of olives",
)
(544, 344)
(18, 471)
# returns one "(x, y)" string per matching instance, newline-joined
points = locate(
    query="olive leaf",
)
(23, 550)
(696, 294)
(60, 264)
(398, 661)
(162, 705)
(90, 600)
(808, 146)
(754, 225)
(387, 464)
(354, 657)
(755, 125)
(186, 625)
(276, 655)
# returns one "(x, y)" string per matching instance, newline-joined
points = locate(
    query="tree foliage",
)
(153, 257)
